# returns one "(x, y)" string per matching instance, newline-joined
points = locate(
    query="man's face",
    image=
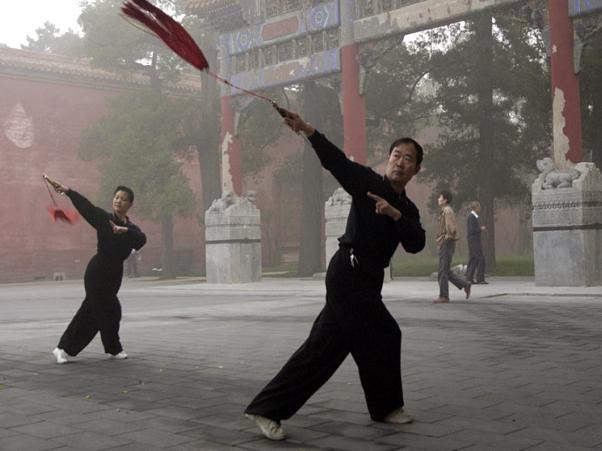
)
(402, 165)
(442, 201)
(477, 209)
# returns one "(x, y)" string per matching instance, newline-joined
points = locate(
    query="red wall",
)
(31, 245)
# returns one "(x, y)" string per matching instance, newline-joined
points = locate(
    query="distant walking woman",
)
(101, 310)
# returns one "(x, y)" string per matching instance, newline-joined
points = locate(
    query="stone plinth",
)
(567, 225)
(336, 211)
(233, 240)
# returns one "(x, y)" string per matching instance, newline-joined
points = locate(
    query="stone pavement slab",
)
(514, 367)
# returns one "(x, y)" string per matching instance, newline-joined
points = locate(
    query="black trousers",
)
(354, 320)
(445, 273)
(100, 311)
(476, 262)
(94, 315)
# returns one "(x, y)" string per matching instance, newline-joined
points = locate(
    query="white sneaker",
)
(270, 428)
(61, 356)
(399, 416)
(121, 356)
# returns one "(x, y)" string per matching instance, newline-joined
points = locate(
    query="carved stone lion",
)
(339, 197)
(220, 205)
(552, 178)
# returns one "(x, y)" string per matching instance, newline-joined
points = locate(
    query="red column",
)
(234, 147)
(567, 113)
(354, 111)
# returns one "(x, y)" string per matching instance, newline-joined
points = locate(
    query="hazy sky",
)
(19, 18)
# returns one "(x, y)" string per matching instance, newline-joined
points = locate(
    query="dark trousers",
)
(95, 315)
(354, 321)
(476, 262)
(445, 274)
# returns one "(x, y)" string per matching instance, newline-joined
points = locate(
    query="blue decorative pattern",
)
(321, 17)
(318, 18)
(583, 7)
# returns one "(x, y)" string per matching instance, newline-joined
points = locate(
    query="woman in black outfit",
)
(101, 310)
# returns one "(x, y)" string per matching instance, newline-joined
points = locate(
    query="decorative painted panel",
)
(416, 16)
(317, 64)
(583, 7)
(320, 17)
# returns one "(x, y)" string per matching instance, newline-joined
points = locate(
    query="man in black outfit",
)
(476, 259)
(354, 319)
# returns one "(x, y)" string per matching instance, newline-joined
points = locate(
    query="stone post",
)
(336, 210)
(233, 240)
(567, 225)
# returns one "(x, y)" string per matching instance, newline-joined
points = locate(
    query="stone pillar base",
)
(336, 210)
(233, 241)
(567, 225)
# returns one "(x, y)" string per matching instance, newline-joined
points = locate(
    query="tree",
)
(114, 45)
(591, 95)
(494, 110)
(135, 144)
(399, 99)
(49, 40)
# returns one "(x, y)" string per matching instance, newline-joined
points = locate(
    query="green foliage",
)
(591, 96)
(399, 99)
(136, 144)
(114, 44)
(520, 115)
(259, 126)
(49, 40)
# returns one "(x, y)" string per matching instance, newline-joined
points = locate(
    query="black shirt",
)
(115, 246)
(372, 236)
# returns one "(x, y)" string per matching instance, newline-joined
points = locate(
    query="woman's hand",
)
(384, 208)
(117, 229)
(58, 187)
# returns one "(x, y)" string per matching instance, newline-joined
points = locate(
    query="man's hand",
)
(483, 228)
(294, 121)
(384, 208)
(117, 229)
(58, 187)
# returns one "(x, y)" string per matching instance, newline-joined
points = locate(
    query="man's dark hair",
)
(127, 190)
(417, 147)
(446, 195)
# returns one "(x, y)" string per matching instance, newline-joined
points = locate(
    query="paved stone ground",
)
(517, 367)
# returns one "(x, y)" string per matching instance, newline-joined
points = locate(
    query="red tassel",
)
(168, 30)
(68, 216)
(176, 38)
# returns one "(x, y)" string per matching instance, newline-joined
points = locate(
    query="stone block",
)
(567, 225)
(233, 241)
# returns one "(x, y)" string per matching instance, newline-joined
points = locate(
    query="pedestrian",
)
(476, 259)
(354, 319)
(447, 236)
(101, 310)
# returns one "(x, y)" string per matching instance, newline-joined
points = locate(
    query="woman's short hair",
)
(474, 204)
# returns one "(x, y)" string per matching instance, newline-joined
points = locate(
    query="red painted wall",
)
(31, 245)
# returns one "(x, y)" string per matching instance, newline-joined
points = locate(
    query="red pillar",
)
(567, 107)
(233, 146)
(354, 110)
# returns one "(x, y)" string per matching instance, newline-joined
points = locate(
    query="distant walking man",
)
(446, 246)
(476, 259)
